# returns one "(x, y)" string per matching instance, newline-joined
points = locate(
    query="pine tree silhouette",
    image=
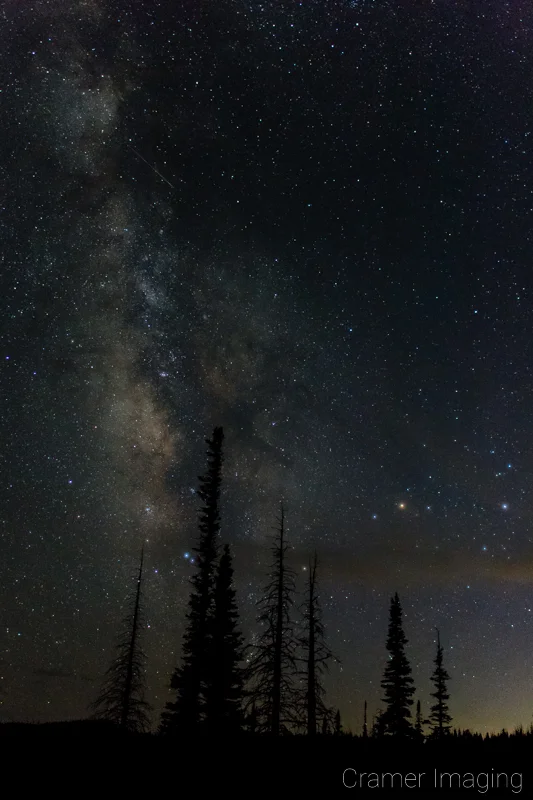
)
(121, 699)
(338, 723)
(272, 668)
(225, 686)
(378, 724)
(439, 717)
(365, 724)
(189, 679)
(397, 682)
(419, 723)
(316, 653)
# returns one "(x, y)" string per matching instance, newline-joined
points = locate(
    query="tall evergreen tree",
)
(272, 668)
(439, 717)
(225, 687)
(397, 683)
(316, 653)
(338, 723)
(365, 723)
(419, 723)
(378, 724)
(121, 699)
(189, 679)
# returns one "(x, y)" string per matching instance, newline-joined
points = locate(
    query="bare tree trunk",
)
(311, 665)
(131, 655)
(278, 643)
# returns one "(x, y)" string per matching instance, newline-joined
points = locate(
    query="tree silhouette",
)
(272, 667)
(190, 677)
(439, 717)
(121, 699)
(316, 653)
(224, 690)
(365, 723)
(338, 723)
(397, 682)
(378, 724)
(419, 722)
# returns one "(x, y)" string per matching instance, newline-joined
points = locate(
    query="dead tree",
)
(121, 699)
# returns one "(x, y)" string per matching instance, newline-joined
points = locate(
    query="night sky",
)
(310, 223)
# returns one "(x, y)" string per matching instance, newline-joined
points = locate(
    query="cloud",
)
(390, 568)
(401, 565)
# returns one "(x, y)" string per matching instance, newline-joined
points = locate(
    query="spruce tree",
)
(189, 679)
(338, 723)
(121, 699)
(272, 668)
(397, 682)
(439, 717)
(316, 653)
(365, 723)
(224, 690)
(419, 723)
(378, 724)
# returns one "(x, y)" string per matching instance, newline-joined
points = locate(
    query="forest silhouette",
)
(269, 697)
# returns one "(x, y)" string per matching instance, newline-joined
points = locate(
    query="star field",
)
(310, 223)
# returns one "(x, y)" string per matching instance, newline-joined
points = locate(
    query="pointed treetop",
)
(218, 436)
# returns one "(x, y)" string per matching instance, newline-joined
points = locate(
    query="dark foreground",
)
(79, 756)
